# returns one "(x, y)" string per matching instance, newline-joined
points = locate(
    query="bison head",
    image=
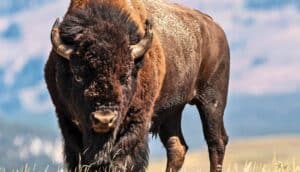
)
(104, 52)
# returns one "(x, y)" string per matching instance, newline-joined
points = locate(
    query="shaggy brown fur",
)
(188, 62)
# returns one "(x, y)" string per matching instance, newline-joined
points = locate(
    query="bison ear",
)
(142, 47)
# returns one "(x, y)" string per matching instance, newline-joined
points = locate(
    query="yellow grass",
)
(271, 154)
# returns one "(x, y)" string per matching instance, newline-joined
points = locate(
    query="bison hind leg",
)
(211, 102)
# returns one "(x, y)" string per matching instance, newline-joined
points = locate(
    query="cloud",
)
(31, 100)
(3, 24)
(35, 26)
(8, 7)
(273, 36)
(12, 32)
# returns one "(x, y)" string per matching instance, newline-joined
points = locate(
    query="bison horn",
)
(140, 49)
(60, 48)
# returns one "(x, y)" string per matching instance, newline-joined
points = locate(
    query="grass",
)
(271, 154)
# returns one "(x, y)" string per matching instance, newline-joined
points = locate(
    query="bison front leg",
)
(72, 142)
(71, 134)
(131, 150)
(171, 136)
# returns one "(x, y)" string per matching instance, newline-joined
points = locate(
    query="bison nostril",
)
(104, 117)
(96, 121)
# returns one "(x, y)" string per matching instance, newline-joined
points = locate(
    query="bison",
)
(121, 69)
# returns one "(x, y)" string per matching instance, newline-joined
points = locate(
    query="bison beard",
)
(108, 75)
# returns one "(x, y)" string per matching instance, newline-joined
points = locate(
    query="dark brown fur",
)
(188, 62)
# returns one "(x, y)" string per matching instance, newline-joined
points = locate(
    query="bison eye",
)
(123, 78)
(78, 79)
(138, 63)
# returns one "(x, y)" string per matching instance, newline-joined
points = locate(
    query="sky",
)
(263, 36)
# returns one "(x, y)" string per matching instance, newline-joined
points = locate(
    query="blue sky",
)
(263, 36)
(270, 4)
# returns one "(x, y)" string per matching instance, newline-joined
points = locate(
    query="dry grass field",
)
(265, 154)
(271, 154)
